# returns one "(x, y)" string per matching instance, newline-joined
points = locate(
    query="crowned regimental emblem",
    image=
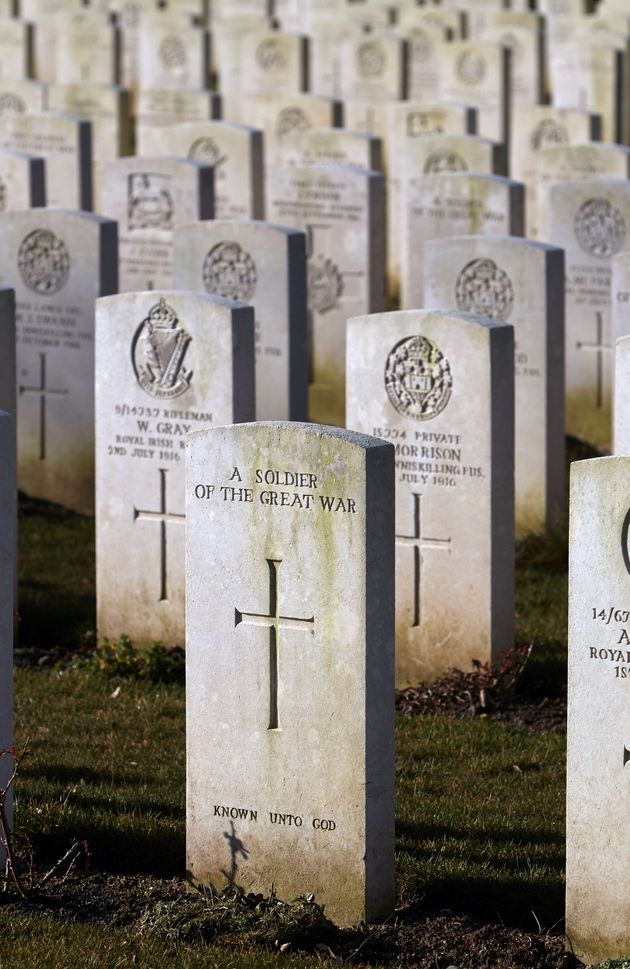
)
(325, 284)
(444, 160)
(271, 56)
(172, 53)
(157, 353)
(600, 228)
(43, 262)
(548, 133)
(150, 202)
(229, 271)
(484, 288)
(370, 59)
(418, 378)
(11, 104)
(470, 67)
(3, 195)
(291, 119)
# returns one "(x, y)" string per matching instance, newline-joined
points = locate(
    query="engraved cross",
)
(417, 542)
(598, 347)
(274, 622)
(43, 391)
(163, 518)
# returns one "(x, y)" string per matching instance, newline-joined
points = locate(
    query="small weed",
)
(156, 663)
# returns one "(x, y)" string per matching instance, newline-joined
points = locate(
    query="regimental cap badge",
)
(418, 378)
(158, 350)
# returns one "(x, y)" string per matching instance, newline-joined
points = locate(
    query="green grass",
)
(480, 810)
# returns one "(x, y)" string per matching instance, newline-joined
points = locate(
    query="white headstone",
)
(456, 204)
(374, 67)
(598, 727)
(479, 73)
(265, 266)
(164, 106)
(589, 77)
(87, 48)
(440, 387)
(590, 220)
(336, 146)
(542, 126)
(521, 282)
(342, 211)
(570, 163)
(166, 364)
(172, 55)
(149, 197)
(22, 96)
(16, 49)
(58, 262)
(22, 180)
(622, 396)
(64, 141)
(289, 633)
(423, 58)
(234, 151)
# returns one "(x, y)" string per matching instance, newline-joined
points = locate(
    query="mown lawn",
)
(480, 805)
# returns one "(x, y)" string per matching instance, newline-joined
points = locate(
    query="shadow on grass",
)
(56, 585)
(510, 893)
(118, 851)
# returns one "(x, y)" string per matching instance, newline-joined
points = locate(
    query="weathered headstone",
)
(521, 282)
(234, 151)
(149, 197)
(438, 154)
(589, 77)
(263, 265)
(336, 146)
(166, 106)
(342, 211)
(542, 126)
(440, 387)
(172, 55)
(374, 67)
(622, 396)
(64, 141)
(590, 219)
(16, 49)
(480, 74)
(105, 106)
(166, 363)
(598, 723)
(22, 96)
(526, 58)
(281, 116)
(456, 204)
(570, 163)
(271, 63)
(58, 262)
(423, 58)
(22, 180)
(8, 529)
(87, 47)
(289, 568)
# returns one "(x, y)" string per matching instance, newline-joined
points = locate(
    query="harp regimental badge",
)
(158, 351)
(418, 378)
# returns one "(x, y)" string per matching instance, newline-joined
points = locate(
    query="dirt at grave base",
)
(412, 938)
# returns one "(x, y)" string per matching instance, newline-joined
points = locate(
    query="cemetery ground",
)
(480, 797)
